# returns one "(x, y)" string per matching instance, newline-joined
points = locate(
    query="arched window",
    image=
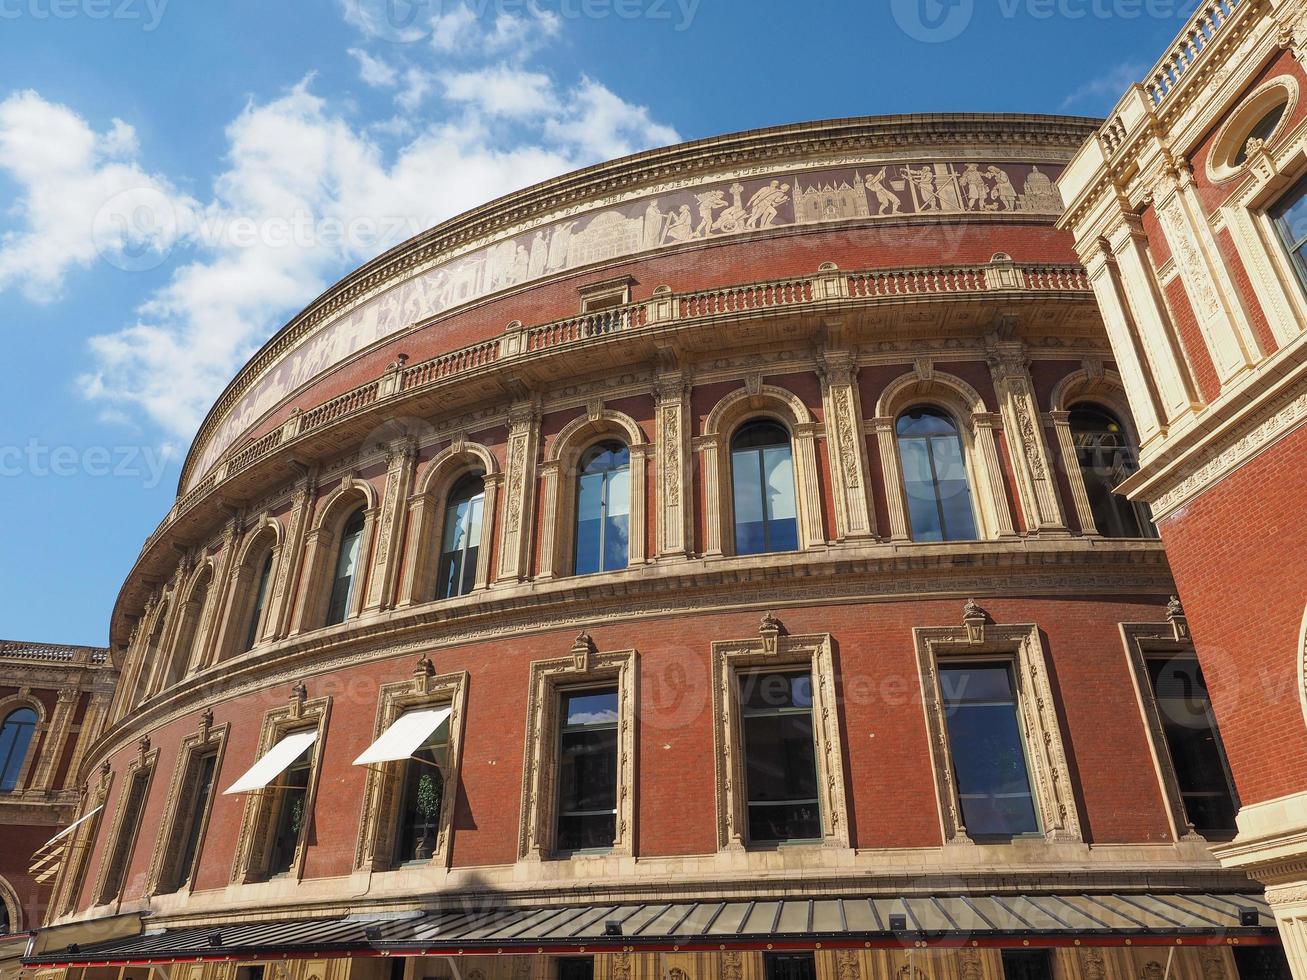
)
(935, 476)
(603, 509)
(254, 630)
(15, 738)
(5, 927)
(461, 540)
(1106, 457)
(189, 632)
(347, 572)
(762, 478)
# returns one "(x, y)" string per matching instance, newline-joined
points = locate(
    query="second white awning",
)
(274, 762)
(404, 737)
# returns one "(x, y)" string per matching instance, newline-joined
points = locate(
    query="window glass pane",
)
(196, 804)
(790, 966)
(988, 751)
(780, 757)
(1194, 744)
(1107, 457)
(954, 490)
(260, 600)
(935, 477)
(461, 539)
(342, 589)
(1290, 216)
(617, 510)
(762, 475)
(290, 815)
(749, 514)
(423, 797)
(587, 771)
(1027, 964)
(589, 522)
(15, 737)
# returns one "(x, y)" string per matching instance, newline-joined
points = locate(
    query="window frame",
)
(250, 862)
(139, 772)
(165, 874)
(584, 668)
(1141, 512)
(775, 651)
(563, 692)
(354, 525)
(978, 639)
(1150, 641)
(759, 452)
(383, 791)
(442, 532)
(606, 480)
(745, 714)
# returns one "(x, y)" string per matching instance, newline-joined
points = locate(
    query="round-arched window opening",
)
(763, 489)
(1262, 132)
(1107, 456)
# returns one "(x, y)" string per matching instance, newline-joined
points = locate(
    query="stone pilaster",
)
(278, 616)
(887, 441)
(674, 502)
(519, 493)
(1067, 446)
(56, 737)
(382, 583)
(1021, 421)
(846, 446)
(97, 709)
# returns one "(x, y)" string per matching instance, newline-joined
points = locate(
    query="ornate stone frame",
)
(1278, 89)
(1094, 386)
(1171, 638)
(9, 900)
(773, 648)
(980, 639)
(558, 486)
(301, 714)
(163, 869)
(758, 401)
(145, 763)
(24, 699)
(77, 859)
(375, 847)
(1302, 665)
(584, 666)
(320, 546)
(426, 517)
(976, 425)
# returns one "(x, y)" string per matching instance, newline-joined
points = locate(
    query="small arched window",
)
(1107, 456)
(935, 476)
(603, 509)
(762, 478)
(254, 630)
(15, 739)
(461, 541)
(346, 578)
(5, 927)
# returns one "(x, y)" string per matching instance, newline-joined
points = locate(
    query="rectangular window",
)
(1027, 964)
(1261, 963)
(576, 968)
(423, 797)
(988, 750)
(790, 966)
(1194, 744)
(288, 823)
(120, 854)
(193, 807)
(587, 771)
(1290, 218)
(780, 759)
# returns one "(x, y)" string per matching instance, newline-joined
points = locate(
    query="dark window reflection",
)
(988, 751)
(780, 757)
(1106, 458)
(194, 806)
(346, 579)
(15, 736)
(292, 799)
(1194, 744)
(260, 602)
(423, 797)
(790, 966)
(935, 477)
(603, 509)
(1027, 964)
(461, 540)
(762, 474)
(587, 771)
(1262, 131)
(1290, 217)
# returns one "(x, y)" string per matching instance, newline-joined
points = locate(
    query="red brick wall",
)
(1239, 556)
(889, 779)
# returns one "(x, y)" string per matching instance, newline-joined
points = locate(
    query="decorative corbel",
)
(1178, 620)
(582, 647)
(422, 674)
(974, 618)
(298, 695)
(770, 629)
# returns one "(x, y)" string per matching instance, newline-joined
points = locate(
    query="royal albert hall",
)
(703, 566)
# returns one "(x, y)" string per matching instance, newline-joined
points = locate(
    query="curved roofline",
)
(518, 205)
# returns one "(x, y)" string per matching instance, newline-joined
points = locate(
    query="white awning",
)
(48, 858)
(72, 826)
(405, 736)
(276, 761)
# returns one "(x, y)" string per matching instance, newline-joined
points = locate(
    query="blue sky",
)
(178, 177)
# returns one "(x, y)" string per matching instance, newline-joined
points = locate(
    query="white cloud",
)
(373, 71)
(501, 90)
(306, 194)
(1103, 91)
(82, 197)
